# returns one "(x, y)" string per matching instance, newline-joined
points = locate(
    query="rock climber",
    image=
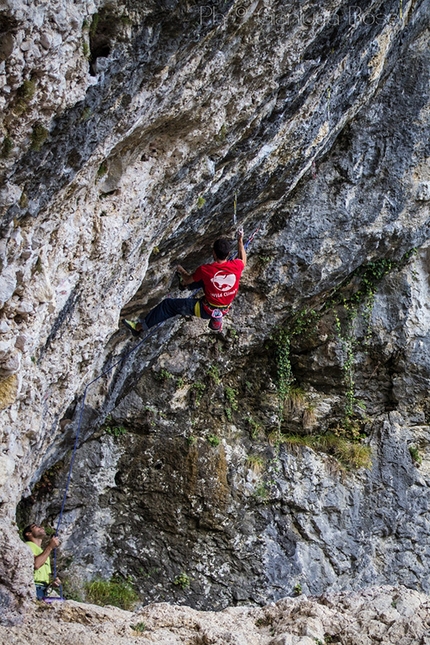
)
(219, 280)
(33, 535)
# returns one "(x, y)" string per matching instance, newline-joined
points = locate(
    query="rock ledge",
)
(387, 615)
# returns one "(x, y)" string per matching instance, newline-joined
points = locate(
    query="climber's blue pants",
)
(170, 307)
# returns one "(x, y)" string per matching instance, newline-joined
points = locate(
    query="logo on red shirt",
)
(223, 281)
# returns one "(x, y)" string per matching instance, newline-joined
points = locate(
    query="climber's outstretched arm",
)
(241, 253)
(187, 278)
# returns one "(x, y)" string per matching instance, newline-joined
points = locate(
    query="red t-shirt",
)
(220, 280)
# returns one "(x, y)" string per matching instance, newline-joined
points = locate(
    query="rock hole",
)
(104, 30)
(8, 27)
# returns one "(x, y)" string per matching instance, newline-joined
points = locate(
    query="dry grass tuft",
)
(8, 390)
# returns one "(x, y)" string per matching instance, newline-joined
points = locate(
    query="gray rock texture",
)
(239, 463)
(384, 615)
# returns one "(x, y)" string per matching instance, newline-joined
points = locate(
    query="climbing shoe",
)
(136, 328)
(216, 320)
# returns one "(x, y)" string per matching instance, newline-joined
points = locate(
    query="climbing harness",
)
(216, 312)
(123, 358)
(209, 307)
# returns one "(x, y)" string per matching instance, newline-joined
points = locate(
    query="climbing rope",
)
(148, 334)
(251, 238)
(234, 209)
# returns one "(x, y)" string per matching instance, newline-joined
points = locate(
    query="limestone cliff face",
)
(127, 131)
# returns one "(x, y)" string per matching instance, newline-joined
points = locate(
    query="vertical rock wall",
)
(189, 474)
(127, 131)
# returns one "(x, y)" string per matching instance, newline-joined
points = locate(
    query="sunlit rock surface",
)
(378, 615)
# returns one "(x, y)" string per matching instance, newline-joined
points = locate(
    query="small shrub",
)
(27, 90)
(38, 137)
(416, 457)
(116, 431)
(201, 202)
(103, 168)
(24, 95)
(182, 580)
(261, 492)
(296, 398)
(214, 440)
(254, 427)
(231, 394)
(199, 388)
(164, 375)
(125, 20)
(23, 200)
(213, 372)
(274, 438)
(222, 132)
(86, 114)
(265, 259)
(350, 428)
(94, 24)
(139, 627)
(255, 463)
(351, 454)
(7, 147)
(298, 589)
(116, 592)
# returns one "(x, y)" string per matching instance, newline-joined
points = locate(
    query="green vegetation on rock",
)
(116, 592)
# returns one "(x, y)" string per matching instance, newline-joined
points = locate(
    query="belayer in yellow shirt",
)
(33, 535)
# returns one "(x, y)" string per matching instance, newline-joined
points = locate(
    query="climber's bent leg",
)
(170, 307)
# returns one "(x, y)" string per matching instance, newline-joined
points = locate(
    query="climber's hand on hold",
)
(187, 278)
